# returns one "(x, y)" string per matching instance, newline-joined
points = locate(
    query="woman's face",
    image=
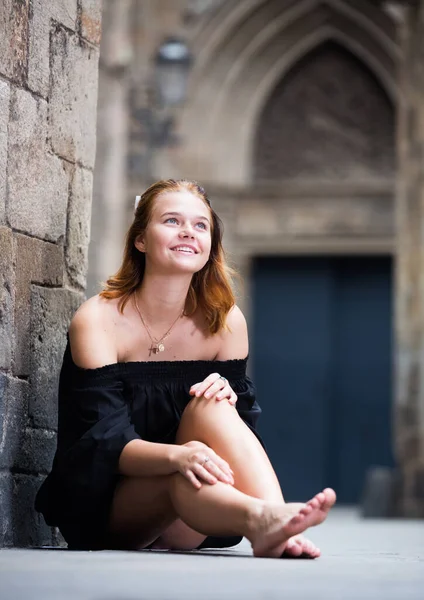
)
(178, 237)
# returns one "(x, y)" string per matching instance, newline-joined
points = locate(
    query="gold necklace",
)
(157, 345)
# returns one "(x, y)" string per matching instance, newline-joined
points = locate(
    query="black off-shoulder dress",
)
(100, 411)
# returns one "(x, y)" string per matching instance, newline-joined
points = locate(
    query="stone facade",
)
(410, 272)
(109, 192)
(49, 55)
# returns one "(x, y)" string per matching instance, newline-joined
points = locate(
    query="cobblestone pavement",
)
(361, 559)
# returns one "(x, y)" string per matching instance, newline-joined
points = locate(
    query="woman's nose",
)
(187, 232)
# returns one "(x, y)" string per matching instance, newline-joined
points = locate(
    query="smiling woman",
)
(157, 445)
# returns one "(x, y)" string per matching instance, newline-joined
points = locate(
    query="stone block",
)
(4, 122)
(38, 262)
(36, 452)
(51, 312)
(91, 20)
(21, 447)
(37, 181)
(73, 100)
(14, 38)
(6, 510)
(28, 526)
(60, 11)
(6, 297)
(78, 228)
(14, 410)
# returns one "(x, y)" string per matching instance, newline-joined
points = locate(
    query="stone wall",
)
(48, 93)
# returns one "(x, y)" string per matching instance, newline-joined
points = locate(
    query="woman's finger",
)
(220, 386)
(222, 464)
(225, 392)
(206, 383)
(218, 472)
(193, 388)
(193, 479)
(204, 474)
(233, 398)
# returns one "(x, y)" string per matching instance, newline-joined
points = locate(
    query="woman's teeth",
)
(184, 249)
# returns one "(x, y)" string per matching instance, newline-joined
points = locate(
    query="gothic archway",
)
(328, 119)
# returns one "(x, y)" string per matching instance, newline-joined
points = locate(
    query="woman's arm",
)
(142, 459)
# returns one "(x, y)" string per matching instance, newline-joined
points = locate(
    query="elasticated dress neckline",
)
(169, 369)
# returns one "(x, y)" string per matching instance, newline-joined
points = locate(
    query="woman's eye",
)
(173, 219)
(201, 225)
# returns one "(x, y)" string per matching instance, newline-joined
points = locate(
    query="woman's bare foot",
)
(300, 547)
(280, 522)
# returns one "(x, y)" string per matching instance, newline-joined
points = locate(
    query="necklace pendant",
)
(158, 348)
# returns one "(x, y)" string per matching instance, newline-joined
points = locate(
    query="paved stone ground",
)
(361, 559)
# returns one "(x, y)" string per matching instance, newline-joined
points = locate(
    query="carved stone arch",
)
(297, 54)
(310, 127)
(218, 123)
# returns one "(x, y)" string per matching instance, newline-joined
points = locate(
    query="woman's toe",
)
(293, 548)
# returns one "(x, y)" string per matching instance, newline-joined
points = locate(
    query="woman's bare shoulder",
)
(91, 333)
(234, 338)
(236, 319)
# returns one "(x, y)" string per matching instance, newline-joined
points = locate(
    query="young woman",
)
(156, 440)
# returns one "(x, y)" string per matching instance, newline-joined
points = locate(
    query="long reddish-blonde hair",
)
(210, 288)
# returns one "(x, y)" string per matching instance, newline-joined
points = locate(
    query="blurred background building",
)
(304, 120)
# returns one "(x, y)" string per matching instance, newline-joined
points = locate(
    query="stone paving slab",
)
(361, 559)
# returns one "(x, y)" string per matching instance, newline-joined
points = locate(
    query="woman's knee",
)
(203, 416)
(208, 408)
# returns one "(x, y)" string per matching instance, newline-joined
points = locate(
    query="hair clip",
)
(137, 200)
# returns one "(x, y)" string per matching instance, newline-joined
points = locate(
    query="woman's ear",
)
(139, 243)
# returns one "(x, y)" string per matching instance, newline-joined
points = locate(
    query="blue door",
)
(321, 349)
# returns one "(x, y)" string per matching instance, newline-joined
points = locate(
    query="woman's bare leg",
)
(222, 510)
(218, 509)
(218, 425)
(141, 511)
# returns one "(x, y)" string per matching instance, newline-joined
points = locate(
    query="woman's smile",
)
(185, 249)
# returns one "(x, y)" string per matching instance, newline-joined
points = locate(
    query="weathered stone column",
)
(409, 413)
(48, 94)
(110, 198)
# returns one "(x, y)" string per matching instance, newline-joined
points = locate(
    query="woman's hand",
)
(214, 384)
(200, 464)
